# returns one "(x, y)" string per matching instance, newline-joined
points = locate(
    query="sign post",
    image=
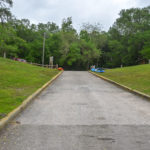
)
(51, 60)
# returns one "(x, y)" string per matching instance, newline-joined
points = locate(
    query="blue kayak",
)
(93, 69)
(99, 70)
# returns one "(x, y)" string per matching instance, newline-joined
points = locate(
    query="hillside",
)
(135, 77)
(18, 81)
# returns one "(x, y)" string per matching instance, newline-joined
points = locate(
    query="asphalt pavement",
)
(79, 111)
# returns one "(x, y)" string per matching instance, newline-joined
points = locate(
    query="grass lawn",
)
(135, 77)
(18, 81)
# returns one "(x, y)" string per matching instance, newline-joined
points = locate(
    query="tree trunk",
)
(4, 54)
(88, 65)
(97, 63)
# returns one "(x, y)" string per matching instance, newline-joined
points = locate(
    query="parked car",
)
(19, 59)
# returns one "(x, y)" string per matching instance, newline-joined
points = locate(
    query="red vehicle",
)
(19, 59)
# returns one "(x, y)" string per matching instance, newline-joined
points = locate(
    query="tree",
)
(146, 52)
(89, 53)
(146, 48)
(54, 43)
(133, 20)
(4, 10)
(131, 30)
(126, 42)
(67, 25)
(6, 40)
(116, 55)
(74, 54)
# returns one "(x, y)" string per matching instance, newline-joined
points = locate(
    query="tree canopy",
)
(126, 43)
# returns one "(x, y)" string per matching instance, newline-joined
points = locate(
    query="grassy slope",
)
(18, 81)
(136, 77)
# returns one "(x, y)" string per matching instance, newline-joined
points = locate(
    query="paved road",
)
(81, 112)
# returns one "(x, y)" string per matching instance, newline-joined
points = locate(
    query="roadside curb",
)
(122, 86)
(25, 103)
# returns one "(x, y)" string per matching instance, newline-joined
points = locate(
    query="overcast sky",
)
(104, 12)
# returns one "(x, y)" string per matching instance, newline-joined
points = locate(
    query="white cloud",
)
(103, 11)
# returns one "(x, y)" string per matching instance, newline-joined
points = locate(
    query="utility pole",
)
(43, 49)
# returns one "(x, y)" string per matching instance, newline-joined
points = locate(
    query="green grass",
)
(18, 81)
(135, 77)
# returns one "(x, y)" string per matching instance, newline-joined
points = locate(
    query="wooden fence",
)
(46, 66)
